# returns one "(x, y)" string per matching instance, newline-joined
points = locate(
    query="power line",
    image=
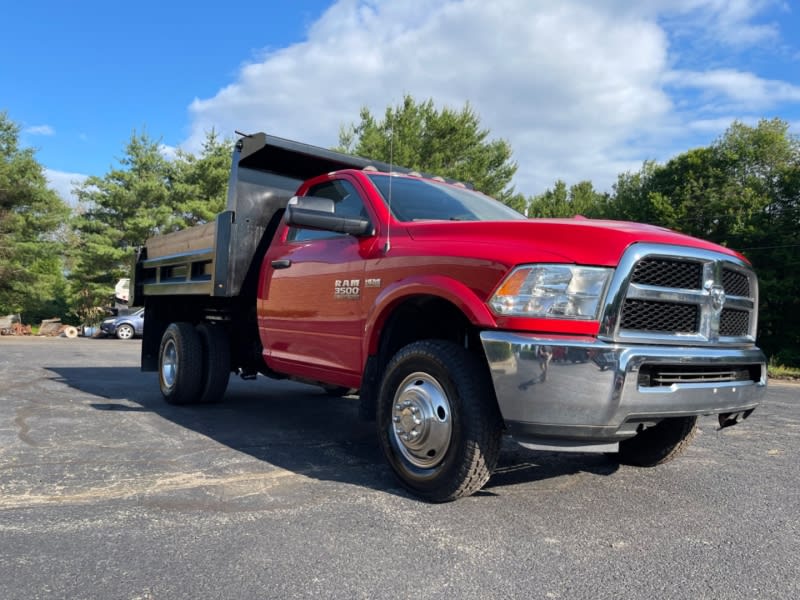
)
(771, 247)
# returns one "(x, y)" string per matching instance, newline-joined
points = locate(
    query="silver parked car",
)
(125, 327)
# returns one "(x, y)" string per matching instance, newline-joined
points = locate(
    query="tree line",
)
(742, 191)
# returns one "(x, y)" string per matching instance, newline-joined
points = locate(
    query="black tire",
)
(658, 444)
(125, 332)
(216, 362)
(460, 392)
(180, 364)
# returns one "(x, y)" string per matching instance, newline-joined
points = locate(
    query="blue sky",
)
(581, 90)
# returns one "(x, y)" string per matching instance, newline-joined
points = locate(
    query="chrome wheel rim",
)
(422, 424)
(125, 332)
(169, 363)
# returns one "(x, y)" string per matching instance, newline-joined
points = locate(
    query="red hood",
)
(580, 241)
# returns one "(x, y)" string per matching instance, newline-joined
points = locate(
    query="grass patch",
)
(782, 372)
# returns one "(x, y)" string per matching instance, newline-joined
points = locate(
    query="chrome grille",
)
(643, 315)
(734, 323)
(735, 283)
(678, 295)
(668, 273)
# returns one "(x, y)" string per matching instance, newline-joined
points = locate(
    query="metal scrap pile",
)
(54, 327)
(12, 325)
(51, 327)
(17, 329)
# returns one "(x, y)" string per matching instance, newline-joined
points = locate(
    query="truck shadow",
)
(303, 430)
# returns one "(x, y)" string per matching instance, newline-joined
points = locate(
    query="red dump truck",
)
(455, 319)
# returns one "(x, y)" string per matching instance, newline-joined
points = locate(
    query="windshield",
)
(414, 199)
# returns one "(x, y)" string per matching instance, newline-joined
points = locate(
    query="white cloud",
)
(728, 86)
(168, 152)
(579, 89)
(40, 130)
(734, 21)
(709, 22)
(715, 126)
(64, 183)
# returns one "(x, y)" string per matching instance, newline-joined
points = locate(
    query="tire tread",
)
(216, 363)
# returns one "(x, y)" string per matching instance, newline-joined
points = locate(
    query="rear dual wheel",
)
(193, 363)
(216, 362)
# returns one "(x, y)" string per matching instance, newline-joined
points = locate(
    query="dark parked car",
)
(125, 327)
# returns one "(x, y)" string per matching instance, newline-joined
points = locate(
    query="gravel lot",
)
(280, 492)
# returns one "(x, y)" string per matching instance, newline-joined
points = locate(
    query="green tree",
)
(144, 195)
(449, 143)
(516, 201)
(580, 199)
(200, 183)
(743, 192)
(634, 198)
(31, 244)
(117, 212)
(762, 181)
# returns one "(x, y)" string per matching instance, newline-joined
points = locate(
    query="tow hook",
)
(729, 419)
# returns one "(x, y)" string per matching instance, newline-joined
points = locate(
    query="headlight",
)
(559, 291)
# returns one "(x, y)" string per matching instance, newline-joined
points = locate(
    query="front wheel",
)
(658, 444)
(438, 421)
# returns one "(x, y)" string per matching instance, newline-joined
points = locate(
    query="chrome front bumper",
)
(560, 391)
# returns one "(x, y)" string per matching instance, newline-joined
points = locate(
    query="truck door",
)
(311, 317)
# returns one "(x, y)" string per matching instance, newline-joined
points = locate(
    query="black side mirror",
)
(312, 212)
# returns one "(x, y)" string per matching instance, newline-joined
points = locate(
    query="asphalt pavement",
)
(281, 492)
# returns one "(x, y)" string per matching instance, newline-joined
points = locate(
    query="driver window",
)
(347, 203)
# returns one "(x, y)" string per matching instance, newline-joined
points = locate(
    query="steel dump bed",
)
(214, 259)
